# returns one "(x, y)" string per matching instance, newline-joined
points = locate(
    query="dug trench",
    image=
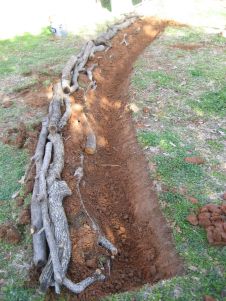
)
(116, 187)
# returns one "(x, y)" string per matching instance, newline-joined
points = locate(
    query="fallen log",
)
(53, 248)
(57, 164)
(67, 114)
(54, 109)
(57, 192)
(66, 74)
(38, 239)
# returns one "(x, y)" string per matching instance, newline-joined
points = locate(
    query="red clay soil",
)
(116, 189)
(213, 218)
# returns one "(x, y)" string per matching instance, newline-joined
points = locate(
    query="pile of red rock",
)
(213, 218)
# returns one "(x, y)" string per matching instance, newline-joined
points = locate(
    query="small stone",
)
(194, 160)
(192, 219)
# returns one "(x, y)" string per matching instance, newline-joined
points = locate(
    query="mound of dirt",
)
(213, 218)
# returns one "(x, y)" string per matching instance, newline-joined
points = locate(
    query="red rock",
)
(209, 298)
(194, 160)
(192, 219)
(192, 200)
(204, 219)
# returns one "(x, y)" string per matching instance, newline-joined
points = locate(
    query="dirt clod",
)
(19, 201)
(9, 233)
(194, 160)
(209, 298)
(24, 217)
(192, 219)
(213, 218)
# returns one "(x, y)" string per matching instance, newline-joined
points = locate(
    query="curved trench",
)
(116, 189)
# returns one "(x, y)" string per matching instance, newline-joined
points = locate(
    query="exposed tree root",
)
(48, 219)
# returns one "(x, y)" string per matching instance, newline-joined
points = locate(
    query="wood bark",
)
(53, 248)
(38, 239)
(43, 172)
(81, 286)
(57, 164)
(55, 112)
(57, 192)
(67, 114)
(66, 74)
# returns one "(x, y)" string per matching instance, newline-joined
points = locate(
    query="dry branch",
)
(67, 114)
(54, 110)
(81, 286)
(39, 241)
(89, 71)
(90, 147)
(97, 49)
(57, 165)
(43, 172)
(66, 74)
(53, 248)
(124, 40)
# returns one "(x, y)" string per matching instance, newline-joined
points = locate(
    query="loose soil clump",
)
(213, 218)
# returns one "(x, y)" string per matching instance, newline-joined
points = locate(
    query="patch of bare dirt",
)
(117, 189)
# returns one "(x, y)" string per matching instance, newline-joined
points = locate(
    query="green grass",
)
(160, 78)
(211, 103)
(187, 102)
(12, 166)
